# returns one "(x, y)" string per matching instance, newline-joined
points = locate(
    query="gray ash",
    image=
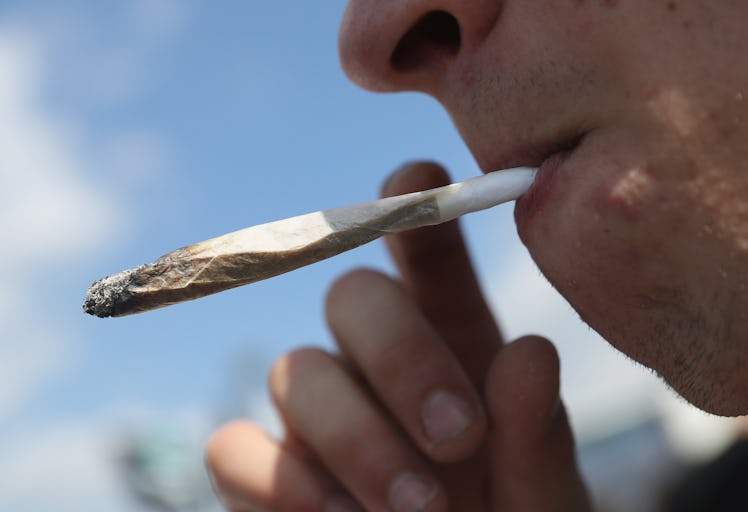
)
(106, 294)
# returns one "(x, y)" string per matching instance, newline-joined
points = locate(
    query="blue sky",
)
(128, 129)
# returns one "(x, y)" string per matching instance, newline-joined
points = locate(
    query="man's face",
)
(637, 113)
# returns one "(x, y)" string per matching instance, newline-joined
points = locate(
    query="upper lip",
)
(530, 154)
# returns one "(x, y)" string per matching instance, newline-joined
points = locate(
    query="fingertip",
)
(525, 370)
(532, 446)
(522, 390)
(251, 471)
(226, 465)
(220, 451)
(287, 368)
(223, 438)
(413, 177)
(354, 285)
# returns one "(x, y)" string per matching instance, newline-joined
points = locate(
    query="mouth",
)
(549, 162)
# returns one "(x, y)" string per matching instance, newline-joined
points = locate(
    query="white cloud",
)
(104, 55)
(50, 208)
(50, 212)
(66, 468)
(54, 209)
(76, 465)
(30, 356)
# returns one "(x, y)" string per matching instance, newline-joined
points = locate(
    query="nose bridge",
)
(390, 45)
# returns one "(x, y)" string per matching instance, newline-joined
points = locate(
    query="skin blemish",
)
(675, 111)
(630, 191)
(724, 202)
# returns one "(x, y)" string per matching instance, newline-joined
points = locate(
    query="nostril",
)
(435, 36)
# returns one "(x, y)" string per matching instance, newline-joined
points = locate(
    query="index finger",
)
(436, 269)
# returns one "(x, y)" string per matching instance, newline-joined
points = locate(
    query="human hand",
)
(424, 408)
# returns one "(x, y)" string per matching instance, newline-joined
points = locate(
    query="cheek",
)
(596, 223)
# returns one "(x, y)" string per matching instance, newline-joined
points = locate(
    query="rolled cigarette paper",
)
(267, 250)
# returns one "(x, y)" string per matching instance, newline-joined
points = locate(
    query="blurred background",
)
(131, 128)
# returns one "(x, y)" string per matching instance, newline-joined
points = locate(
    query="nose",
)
(395, 45)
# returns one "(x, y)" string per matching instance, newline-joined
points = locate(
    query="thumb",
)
(533, 465)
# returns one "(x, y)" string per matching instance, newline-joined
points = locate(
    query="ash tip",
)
(105, 296)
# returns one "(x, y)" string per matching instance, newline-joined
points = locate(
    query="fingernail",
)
(445, 416)
(342, 504)
(411, 493)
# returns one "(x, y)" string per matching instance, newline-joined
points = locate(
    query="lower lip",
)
(534, 200)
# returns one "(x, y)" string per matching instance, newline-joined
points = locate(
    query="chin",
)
(716, 383)
(715, 396)
(701, 364)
